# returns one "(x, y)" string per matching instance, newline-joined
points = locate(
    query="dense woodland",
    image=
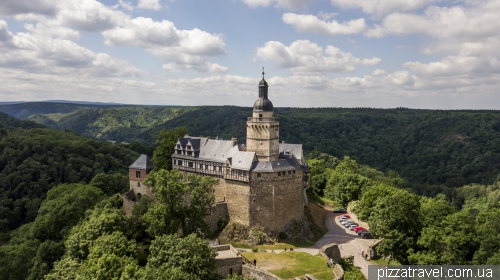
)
(60, 200)
(432, 150)
(460, 228)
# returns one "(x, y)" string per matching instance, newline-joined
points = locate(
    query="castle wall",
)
(275, 200)
(217, 212)
(132, 174)
(237, 198)
(139, 188)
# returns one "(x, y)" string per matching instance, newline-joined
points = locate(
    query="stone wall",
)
(275, 201)
(228, 265)
(128, 203)
(249, 271)
(236, 195)
(331, 251)
(217, 212)
(139, 188)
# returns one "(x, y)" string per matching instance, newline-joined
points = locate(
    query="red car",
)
(356, 229)
(345, 216)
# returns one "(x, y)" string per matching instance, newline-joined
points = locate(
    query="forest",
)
(432, 150)
(458, 228)
(60, 205)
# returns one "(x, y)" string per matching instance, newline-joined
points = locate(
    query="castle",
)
(263, 183)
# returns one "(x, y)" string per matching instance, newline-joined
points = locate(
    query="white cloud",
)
(371, 61)
(89, 15)
(15, 7)
(466, 29)
(312, 24)
(380, 8)
(181, 49)
(378, 72)
(149, 4)
(326, 16)
(303, 56)
(46, 49)
(287, 4)
(457, 65)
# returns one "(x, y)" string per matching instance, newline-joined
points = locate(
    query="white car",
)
(345, 221)
(352, 227)
(343, 218)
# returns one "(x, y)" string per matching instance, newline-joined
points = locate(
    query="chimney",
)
(233, 141)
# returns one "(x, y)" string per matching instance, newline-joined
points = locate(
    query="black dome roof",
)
(263, 104)
(263, 83)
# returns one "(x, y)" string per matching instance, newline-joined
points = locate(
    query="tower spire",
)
(263, 72)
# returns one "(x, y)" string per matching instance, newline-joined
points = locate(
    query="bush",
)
(283, 235)
(222, 223)
(255, 250)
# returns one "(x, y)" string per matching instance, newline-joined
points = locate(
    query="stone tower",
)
(263, 128)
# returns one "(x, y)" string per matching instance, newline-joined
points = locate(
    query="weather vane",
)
(263, 72)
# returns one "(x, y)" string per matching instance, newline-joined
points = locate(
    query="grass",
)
(289, 265)
(351, 272)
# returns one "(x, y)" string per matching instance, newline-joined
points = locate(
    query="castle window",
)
(294, 172)
(240, 173)
(178, 152)
(190, 153)
(260, 115)
(138, 184)
(289, 172)
(188, 147)
(138, 174)
(279, 173)
(190, 164)
(178, 146)
(179, 162)
(258, 174)
(201, 166)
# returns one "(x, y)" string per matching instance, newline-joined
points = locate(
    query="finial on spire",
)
(263, 72)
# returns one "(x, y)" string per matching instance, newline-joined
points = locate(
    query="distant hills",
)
(428, 148)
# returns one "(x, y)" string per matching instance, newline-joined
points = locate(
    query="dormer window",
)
(178, 146)
(188, 147)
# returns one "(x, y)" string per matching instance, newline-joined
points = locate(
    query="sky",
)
(428, 54)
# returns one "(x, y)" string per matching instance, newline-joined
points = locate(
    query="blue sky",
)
(434, 54)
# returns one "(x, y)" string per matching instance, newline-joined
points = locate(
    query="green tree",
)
(370, 197)
(396, 218)
(183, 258)
(166, 141)
(488, 235)
(345, 184)
(111, 183)
(100, 221)
(201, 196)
(167, 215)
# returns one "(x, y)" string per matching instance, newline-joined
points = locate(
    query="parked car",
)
(339, 211)
(345, 221)
(344, 218)
(347, 225)
(367, 235)
(352, 227)
(358, 228)
(360, 232)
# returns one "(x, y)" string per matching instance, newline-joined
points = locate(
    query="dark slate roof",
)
(294, 149)
(143, 162)
(276, 165)
(263, 104)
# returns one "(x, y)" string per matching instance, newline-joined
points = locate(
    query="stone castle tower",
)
(261, 184)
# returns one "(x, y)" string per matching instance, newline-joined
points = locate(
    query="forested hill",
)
(426, 147)
(34, 158)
